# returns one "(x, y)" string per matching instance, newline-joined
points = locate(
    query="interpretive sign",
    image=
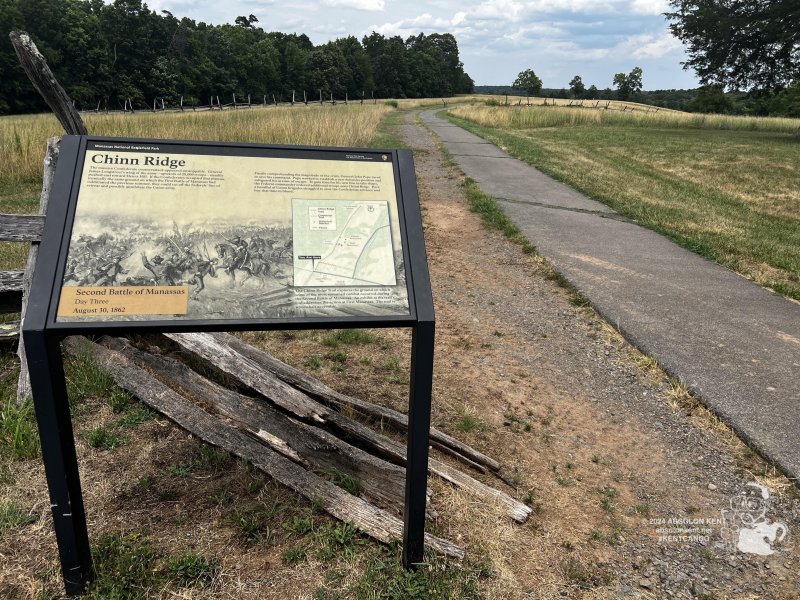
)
(162, 235)
(165, 231)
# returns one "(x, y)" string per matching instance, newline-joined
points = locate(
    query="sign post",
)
(169, 236)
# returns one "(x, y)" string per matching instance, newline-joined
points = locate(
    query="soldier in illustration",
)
(173, 269)
(156, 267)
(109, 268)
(241, 249)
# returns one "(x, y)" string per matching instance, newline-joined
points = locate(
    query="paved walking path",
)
(733, 342)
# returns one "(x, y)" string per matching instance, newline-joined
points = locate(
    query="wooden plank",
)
(317, 389)
(50, 162)
(21, 228)
(11, 281)
(311, 446)
(9, 331)
(35, 67)
(248, 372)
(344, 506)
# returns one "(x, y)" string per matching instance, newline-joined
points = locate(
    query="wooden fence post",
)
(50, 161)
(35, 67)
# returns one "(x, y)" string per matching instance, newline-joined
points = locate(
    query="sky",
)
(497, 39)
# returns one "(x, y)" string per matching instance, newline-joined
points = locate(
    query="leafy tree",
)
(359, 76)
(787, 102)
(629, 85)
(390, 65)
(592, 93)
(711, 99)
(328, 70)
(112, 51)
(577, 87)
(246, 22)
(529, 82)
(742, 44)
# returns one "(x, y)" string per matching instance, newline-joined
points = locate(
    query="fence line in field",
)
(588, 103)
(159, 105)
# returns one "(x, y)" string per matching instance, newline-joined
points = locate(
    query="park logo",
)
(745, 525)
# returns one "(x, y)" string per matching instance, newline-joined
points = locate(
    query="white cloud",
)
(576, 6)
(502, 10)
(371, 5)
(405, 27)
(652, 46)
(649, 7)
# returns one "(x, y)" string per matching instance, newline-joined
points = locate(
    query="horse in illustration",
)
(237, 256)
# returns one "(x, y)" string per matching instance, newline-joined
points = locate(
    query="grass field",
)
(22, 141)
(724, 187)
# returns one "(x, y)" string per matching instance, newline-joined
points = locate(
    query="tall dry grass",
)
(530, 117)
(22, 138)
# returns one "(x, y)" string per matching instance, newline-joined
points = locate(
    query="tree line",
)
(108, 53)
(629, 87)
(709, 98)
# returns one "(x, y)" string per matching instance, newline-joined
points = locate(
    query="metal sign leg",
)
(59, 457)
(419, 422)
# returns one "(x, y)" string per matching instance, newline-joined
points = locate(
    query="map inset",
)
(340, 243)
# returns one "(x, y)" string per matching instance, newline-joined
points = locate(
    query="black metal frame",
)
(42, 335)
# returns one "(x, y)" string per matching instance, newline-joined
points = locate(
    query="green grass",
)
(12, 516)
(252, 524)
(294, 555)
(19, 437)
(493, 216)
(344, 480)
(730, 195)
(136, 415)
(386, 134)
(85, 380)
(467, 420)
(193, 568)
(349, 337)
(125, 568)
(130, 567)
(104, 438)
(384, 578)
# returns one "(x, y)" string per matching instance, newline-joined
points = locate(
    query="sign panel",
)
(155, 235)
(169, 231)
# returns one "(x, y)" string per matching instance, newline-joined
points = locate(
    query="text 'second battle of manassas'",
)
(171, 232)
